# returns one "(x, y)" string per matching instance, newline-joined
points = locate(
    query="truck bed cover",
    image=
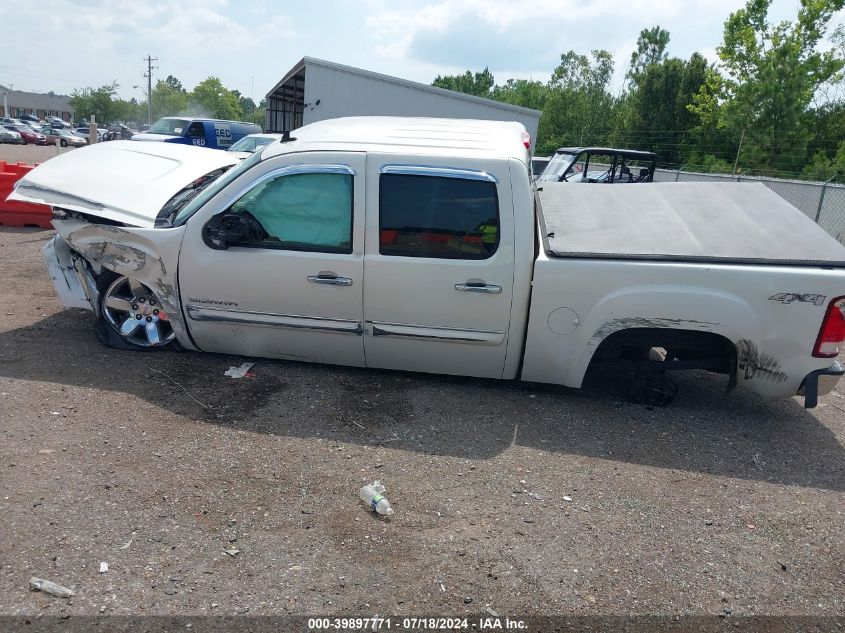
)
(687, 221)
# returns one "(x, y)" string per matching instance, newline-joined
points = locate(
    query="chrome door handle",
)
(490, 289)
(330, 280)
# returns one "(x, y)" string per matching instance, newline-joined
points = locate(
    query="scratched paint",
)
(626, 323)
(753, 364)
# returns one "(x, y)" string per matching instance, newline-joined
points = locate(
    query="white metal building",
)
(315, 90)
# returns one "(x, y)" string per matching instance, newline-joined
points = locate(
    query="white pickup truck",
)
(423, 245)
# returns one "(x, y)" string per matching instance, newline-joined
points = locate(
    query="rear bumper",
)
(820, 383)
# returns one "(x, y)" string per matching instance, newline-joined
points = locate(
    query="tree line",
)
(774, 104)
(209, 98)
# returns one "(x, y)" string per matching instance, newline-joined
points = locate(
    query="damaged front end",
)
(72, 276)
(116, 249)
(86, 254)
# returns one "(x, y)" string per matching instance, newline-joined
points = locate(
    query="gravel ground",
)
(526, 499)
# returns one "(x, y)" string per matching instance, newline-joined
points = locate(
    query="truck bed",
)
(689, 221)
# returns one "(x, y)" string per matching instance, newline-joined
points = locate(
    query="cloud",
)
(92, 42)
(527, 37)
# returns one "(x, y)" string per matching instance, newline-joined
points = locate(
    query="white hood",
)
(123, 181)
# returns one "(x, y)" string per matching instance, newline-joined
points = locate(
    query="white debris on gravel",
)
(49, 587)
(239, 372)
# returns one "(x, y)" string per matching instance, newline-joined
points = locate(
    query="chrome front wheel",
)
(135, 314)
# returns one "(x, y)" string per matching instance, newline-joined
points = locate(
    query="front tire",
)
(63, 143)
(131, 316)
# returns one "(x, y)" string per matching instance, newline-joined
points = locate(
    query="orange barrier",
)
(14, 213)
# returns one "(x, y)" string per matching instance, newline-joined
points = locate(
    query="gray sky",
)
(65, 44)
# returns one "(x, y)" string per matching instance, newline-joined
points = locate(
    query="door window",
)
(440, 217)
(196, 130)
(306, 212)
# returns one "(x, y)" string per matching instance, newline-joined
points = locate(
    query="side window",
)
(435, 216)
(196, 130)
(305, 212)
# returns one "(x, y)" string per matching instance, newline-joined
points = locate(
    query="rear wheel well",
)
(667, 348)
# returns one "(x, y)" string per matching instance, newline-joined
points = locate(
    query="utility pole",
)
(149, 76)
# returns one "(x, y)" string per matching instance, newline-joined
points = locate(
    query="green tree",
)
(651, 49)
(169, 98)
(479, 84)
(259, 117)
(247, 105)
(522, 92)
(174, 83)
(101, 102)
(657, 117)
(211, 98)
(771, 73)
(579, 108)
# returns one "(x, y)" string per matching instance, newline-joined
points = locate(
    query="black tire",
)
(109, 337)
(23, 141)
(63, 143)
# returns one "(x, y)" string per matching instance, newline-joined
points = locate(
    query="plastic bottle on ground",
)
(373, 495)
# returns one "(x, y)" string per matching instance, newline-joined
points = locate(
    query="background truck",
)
(423, 245)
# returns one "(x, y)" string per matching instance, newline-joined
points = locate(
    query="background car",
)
(64, 138)
(28, 134)
(56, 122)
(10, 136)
(29, 118)
(252, 143)
(6, 120)
(84, 131)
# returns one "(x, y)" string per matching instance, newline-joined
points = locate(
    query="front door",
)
(292, 286)
(439, 267)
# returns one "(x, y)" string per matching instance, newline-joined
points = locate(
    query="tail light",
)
(832, 334)
(526, 140)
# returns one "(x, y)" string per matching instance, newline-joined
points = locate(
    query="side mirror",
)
(224, 230)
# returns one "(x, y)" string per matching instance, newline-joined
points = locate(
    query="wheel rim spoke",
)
(129, 326)
(152, 333)
(137, 288)
(116, 303)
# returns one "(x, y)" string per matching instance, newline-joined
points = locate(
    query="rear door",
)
(439, 266)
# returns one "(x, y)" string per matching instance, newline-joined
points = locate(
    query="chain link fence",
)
(822, 202)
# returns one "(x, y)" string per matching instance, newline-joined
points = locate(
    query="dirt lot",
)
(29, 154)
(157, 464)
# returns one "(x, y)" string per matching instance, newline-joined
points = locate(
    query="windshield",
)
(169, 126)
(212, 188)
(556, 167)
(250, 144)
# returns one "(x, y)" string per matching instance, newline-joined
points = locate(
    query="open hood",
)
(122, 181)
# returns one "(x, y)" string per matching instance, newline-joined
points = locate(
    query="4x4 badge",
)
(791, 297)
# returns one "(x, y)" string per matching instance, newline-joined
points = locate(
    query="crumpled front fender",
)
(148, 255)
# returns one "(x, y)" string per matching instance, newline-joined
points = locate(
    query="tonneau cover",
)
(685, 221)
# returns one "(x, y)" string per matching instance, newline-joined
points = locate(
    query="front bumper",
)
(820, 383)
(73, 281)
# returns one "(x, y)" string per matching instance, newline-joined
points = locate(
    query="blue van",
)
(212, 133)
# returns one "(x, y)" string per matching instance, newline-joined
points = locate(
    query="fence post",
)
(821, 197)
(738, 150)
(678, 173)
